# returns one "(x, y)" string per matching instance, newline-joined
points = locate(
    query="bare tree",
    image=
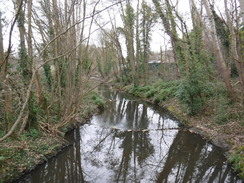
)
(235, 41)
(217, 51)
(170, 28)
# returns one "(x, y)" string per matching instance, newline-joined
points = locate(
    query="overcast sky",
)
(159, 38)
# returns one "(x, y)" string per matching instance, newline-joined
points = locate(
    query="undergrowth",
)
(17, 156)
(237, 160)
(97, 99)
(23, 152)
(157, 92)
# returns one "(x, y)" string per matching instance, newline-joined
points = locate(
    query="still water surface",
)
(132, 142)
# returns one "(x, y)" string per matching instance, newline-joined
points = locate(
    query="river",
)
(132, 141)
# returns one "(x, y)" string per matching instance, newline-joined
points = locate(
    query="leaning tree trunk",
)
(218, 54)
(1, 50)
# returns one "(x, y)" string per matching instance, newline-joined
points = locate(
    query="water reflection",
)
(134, 142)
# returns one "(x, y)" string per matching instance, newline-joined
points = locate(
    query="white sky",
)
(158, 35)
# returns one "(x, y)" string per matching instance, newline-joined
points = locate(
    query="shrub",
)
(98, 100)
(150, 93)
(139, 90)
(192, 93)
(237, 160)
(158, 91)
(222, 112)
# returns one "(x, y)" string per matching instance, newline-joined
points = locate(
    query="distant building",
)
(154, 62)
(162, 65)
(164, 57)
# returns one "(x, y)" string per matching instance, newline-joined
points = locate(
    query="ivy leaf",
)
(2, 158)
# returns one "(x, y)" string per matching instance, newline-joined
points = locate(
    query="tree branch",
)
(10, 36)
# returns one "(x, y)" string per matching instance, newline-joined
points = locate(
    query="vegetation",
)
(214, 113)
(158, 92)
(98, 100)
(237, 159)
(24, 152)
(45, 84)
(203, 92)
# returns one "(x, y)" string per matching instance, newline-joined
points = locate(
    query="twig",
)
(10, 35)
(78, 22)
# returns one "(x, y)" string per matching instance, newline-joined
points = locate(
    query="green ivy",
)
(192, 93)
(98, 100)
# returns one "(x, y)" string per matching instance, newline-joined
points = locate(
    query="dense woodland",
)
(48, 56)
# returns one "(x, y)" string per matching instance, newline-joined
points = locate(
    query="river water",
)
(132, 141)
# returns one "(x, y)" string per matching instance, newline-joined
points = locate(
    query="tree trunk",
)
(128, 30)
(57, 50)
(24, 66)
(218, 54)
(234, 46)
(1, 51)
(171, 31)
(138, 46)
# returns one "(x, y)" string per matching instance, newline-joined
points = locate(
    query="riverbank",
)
(219, 121)
(21, 154)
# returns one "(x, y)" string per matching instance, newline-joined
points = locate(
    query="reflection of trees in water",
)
(115, 110)
(136, 145)
(120, 109)
(130, 114)
(136, 149)
(188, 156)
(131, 155)
(66, 167)
(189, 160)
